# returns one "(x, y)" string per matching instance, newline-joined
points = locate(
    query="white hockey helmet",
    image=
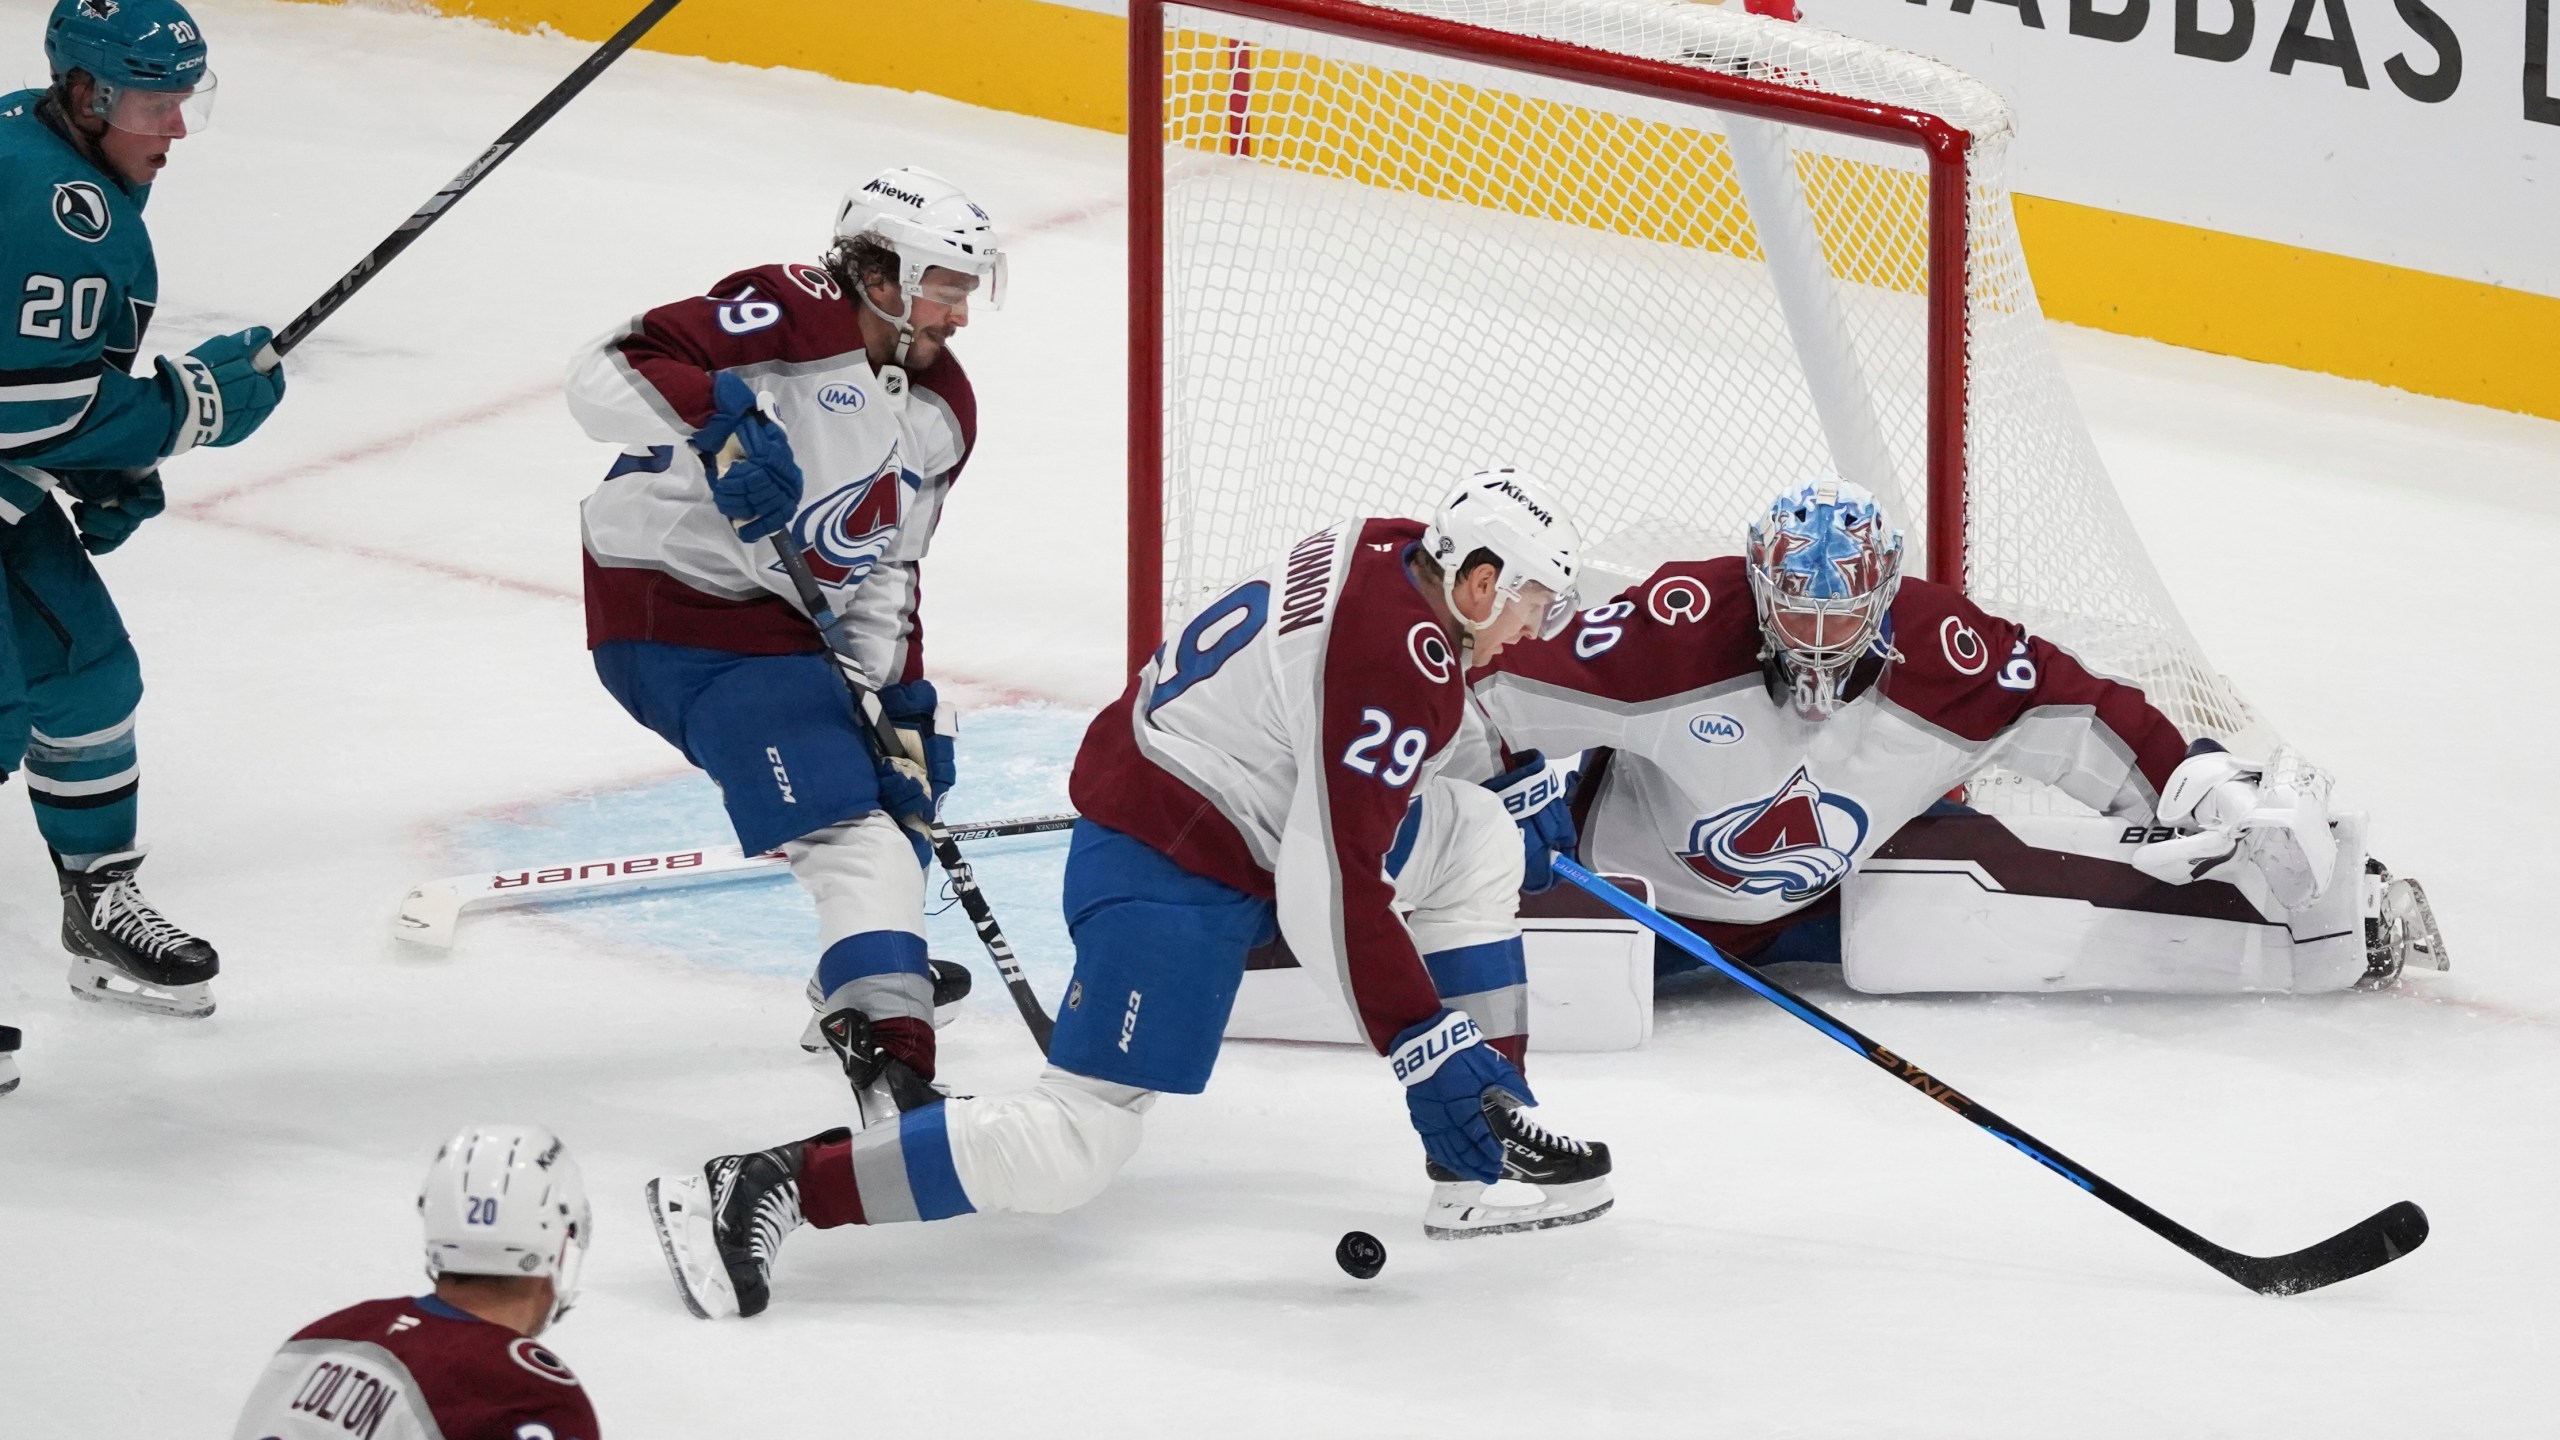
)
(1507, 513)
(507, 1200)
(926, 221)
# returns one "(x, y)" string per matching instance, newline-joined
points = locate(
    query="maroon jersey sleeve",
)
(1981, 677)
(785, 313)
(1393, 698)
(1687, 625)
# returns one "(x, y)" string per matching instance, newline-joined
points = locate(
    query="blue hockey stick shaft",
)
(2380, 1239)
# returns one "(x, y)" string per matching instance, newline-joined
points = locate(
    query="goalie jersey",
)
(1743, 813)
(414, 1370)
(878, 451)
(1275, 745)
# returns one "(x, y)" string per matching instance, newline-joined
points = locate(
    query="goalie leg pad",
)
(2030, 903)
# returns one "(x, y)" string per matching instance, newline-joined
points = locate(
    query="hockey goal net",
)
(1666, 256)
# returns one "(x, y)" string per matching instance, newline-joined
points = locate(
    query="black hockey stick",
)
(461, 185)
(881, 738)
(2382, 1238)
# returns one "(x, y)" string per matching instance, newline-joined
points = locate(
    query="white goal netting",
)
(1385, 267)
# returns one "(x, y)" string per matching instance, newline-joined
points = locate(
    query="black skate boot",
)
(950, 986)
(884, 1086)
(721, 1230)
(8, 1058)
(2399, 928)
(1572, 1177)
(125, 952)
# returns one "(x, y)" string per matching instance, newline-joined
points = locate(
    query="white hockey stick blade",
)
(430, 913)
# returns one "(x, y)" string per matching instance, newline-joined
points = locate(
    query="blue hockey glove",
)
(222, 397)
(109, 505)
(910, 708)
(1446, 1067)
(760, 488)
(1533, 794)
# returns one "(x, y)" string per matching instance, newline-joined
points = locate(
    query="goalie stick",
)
(460, 185)
(2378, 1240)
(429, 913)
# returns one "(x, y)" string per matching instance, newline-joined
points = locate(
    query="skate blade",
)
(1458, 1211)
(680, 1208)
(93, 981)
(8, 1074)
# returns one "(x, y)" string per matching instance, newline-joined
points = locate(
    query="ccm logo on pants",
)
(781, 777)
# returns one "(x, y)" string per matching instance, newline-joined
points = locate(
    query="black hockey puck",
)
(1361, 1255)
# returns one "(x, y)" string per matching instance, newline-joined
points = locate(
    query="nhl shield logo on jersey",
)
(844, 534)
(80, 208)
(1794, 844)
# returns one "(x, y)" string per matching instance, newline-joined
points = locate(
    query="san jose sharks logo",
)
(80, 208)
(846, 532)
(1794, 844)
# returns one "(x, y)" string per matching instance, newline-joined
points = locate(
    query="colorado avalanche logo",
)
(1794, 845)
(1430, 651)
(1676, 600)
(844, 534)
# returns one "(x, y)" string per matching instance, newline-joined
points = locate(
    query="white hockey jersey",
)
(878, 452)
(1275, 744)
(1744, 814)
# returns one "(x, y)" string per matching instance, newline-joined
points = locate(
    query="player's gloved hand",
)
(109, 505)
(758, 487)
(2275, 816)
(915, 709)
(222, 396)
(1446, 1067)
(1533, 794)
(904, 794)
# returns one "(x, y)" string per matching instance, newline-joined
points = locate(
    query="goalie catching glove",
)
(2275, 816)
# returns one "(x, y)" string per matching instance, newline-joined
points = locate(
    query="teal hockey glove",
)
(223, 397)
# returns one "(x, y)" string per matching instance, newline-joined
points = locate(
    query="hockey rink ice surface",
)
(363, 640)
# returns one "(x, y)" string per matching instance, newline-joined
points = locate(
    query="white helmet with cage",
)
(928, 223)
(507, 1200)
(1506, 513)
(1824, 565)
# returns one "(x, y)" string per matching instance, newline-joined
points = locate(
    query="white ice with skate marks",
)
(361, 629)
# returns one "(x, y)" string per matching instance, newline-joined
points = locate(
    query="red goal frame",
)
(1946, 147)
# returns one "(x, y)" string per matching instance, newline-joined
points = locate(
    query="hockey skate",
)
(950, 986)
(125, 952)
(2399, 928)
(8, 1058)
(884, 1086)
(721, 1229)
(1572, 1178)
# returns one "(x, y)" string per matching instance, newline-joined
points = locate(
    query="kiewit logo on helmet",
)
(1532, 506)
(903, 197)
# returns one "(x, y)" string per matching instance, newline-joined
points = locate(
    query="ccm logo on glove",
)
(1423, 1055)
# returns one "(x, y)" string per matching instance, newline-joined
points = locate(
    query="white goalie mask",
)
(1510, 515)
(928, 223)
(507, 1200)
(1824, 565)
